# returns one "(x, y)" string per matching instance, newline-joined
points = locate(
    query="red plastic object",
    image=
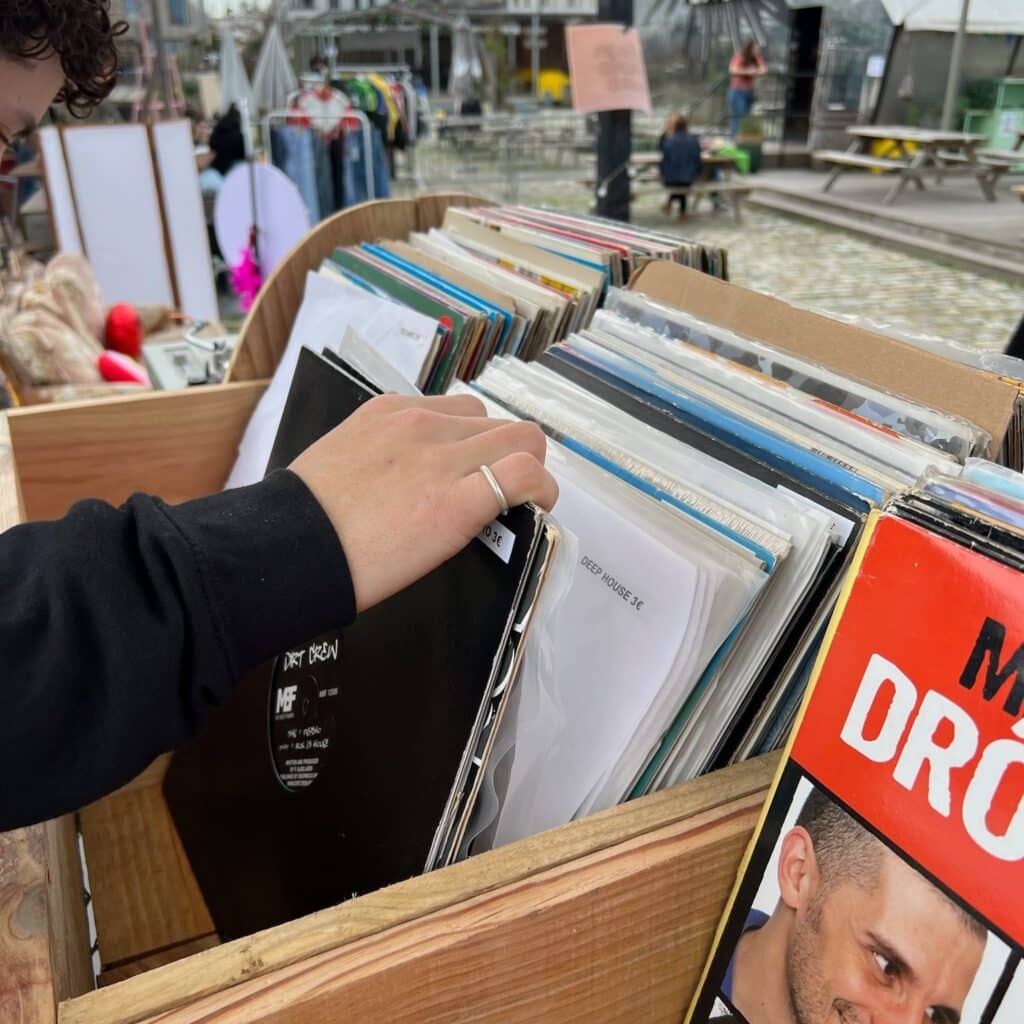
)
(124, 330)
(117, 368)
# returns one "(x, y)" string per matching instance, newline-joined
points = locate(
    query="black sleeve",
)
(122, 629)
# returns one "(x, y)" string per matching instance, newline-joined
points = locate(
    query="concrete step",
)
(944, 246)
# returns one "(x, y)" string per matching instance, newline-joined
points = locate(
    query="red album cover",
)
(881, 886)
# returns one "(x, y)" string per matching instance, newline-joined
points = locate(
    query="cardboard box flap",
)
(896, 366)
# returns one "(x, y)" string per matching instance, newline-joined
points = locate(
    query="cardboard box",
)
(895, 366)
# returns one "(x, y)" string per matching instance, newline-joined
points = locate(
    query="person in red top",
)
(744, 69)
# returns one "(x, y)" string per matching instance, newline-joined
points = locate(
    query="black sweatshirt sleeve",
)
(122, 629)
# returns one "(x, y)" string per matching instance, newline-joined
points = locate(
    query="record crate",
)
(608, 918)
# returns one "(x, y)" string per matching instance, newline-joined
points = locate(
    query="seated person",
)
(681, 163)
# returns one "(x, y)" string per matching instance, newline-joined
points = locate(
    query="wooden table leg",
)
(854, 147)
(910, 173)
(986, 180)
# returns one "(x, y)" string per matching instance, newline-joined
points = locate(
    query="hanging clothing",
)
(321, 108)
(292, 150)
(381, 168)
(324, 176)
(340, 172)
(355, 169)
(394, 116)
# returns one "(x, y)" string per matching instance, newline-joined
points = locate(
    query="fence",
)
(495, 153)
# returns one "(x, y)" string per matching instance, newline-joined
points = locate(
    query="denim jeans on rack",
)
(294, 148)
(355, 168)
(324, 176)
(381, 170)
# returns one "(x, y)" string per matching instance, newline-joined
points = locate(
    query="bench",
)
(737, 191)
(845, 159)
(842, 159)
(992, 163)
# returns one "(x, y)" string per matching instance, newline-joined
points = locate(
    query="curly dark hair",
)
(80, 32)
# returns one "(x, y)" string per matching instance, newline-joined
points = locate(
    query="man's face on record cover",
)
(896, 952)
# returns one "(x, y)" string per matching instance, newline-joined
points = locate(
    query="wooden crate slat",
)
(144, 894)
(70, 956)
(618, 935)
(27, 992)
(11, 507)
(164, 956)
(177, 444)
(176, 985)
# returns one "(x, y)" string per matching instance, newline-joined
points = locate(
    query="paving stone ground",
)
(831, 270)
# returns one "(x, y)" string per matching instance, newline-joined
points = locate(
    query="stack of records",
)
(879, 885)
(439, 306)
(764, 451)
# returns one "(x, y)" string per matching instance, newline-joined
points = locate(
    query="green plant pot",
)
(752, 147)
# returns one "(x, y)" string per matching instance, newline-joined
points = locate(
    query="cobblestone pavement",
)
(837, 272)
(834, 271)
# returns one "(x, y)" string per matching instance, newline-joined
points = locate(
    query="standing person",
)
(227, 141)
(681, 163)
(744, 69)
(122, 629)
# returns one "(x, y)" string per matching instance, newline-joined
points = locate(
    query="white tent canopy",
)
(274, 80)
(996, 17)
(234, 82)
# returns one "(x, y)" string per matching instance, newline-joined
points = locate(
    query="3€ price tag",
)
(500, 539)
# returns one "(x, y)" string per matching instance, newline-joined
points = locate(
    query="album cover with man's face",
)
(883, 885)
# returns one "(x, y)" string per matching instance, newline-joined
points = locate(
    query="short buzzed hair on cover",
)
(846, 851)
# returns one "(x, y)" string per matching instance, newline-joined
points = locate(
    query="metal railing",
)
(494, 153)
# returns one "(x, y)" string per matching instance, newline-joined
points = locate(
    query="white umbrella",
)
(234, 82)
(996, 17)
(275, 79)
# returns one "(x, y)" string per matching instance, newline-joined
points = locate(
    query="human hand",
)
(400, 481)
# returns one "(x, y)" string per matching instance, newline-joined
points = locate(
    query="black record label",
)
(303, 702)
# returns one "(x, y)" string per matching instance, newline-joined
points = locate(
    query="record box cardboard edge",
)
(889, 364)
(268, 324)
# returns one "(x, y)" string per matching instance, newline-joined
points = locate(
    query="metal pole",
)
(435, 60)
(535, 53)
(161, 55)
(955, 63)
(614, 135)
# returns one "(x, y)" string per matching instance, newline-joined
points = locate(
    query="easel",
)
(156, 65)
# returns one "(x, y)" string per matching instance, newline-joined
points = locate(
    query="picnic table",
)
(640, 162)
(644, 174)
(945, 152)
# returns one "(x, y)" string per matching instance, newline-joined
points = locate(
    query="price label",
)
(499, 539)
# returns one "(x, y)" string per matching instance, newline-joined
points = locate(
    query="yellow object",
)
(888, 148)
(553, 84)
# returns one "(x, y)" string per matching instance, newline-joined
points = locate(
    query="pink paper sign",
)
(606, 63)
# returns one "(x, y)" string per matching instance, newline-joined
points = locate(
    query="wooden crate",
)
(608, 918)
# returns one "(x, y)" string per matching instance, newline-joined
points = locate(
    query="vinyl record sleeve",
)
(900, 787)
(343, 767)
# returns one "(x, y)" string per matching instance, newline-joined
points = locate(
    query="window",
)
(178, 12)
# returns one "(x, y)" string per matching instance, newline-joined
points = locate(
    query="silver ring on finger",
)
(496, 487)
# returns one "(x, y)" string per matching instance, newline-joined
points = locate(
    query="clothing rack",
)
(404, 75)
(283, 116)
